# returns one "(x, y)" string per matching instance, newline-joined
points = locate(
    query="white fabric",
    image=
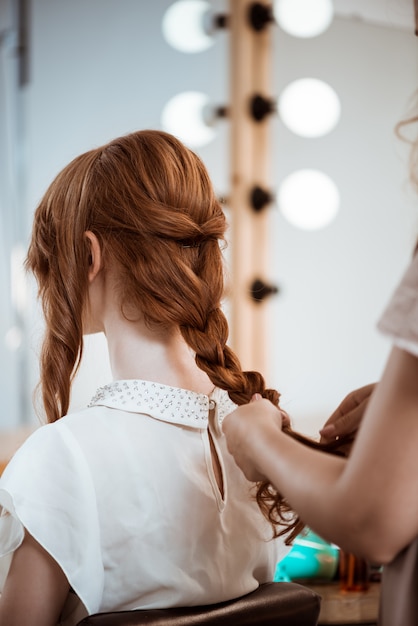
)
(400, 318)
(123, 495)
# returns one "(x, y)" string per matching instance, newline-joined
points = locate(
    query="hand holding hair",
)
(347, 417)
(248, 429)
(253, 432)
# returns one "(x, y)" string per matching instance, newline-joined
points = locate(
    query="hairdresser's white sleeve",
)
(400, 318)
(47, 489)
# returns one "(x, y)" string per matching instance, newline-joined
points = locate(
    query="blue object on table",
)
(310, 557)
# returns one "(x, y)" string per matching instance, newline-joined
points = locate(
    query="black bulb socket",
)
(261, 107)
(259, 290)
(260, 198)
(259, 16)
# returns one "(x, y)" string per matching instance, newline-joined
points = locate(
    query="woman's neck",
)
(136, 352)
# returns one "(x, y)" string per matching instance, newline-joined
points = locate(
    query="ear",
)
(95, 255)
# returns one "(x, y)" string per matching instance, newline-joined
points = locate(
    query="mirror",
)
(103, 68)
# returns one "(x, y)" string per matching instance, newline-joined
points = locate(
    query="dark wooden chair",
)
(272, 604)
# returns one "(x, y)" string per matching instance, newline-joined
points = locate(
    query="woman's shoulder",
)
(47, 489)
(49, 446)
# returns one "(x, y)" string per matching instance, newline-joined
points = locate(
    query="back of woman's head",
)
(150, 202)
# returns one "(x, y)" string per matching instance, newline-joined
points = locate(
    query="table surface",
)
(347, 607)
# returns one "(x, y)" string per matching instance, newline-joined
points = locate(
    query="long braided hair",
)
(150, 202)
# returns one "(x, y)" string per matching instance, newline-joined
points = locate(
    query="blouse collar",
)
(169, 404)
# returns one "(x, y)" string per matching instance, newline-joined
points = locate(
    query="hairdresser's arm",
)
(347, 417)
(368, 503)
(35, 588)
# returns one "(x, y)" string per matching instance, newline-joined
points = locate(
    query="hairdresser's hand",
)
(248, 431)
(347, 417)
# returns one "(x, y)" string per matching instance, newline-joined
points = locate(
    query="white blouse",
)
(400, 319)
(123, 495)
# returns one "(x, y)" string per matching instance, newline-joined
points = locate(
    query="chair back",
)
(272, 604)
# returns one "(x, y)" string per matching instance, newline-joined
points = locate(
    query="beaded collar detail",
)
(169, 404)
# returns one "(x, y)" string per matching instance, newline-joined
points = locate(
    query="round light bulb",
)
(309, 107)
(13, 338)
(308, 199)
(183, 26)
(183, 116)
(304, 18)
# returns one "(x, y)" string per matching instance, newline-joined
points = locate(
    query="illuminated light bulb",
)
(309, 107)
(184, 115)
(13, 338)
(308, 199)
(304, 18)
(183, 26)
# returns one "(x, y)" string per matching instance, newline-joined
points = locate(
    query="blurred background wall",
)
(102, 68)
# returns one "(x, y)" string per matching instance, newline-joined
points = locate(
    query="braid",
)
(223, 368)
(62, 291)
(150, 202)
(221, 364)
(208, 339)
